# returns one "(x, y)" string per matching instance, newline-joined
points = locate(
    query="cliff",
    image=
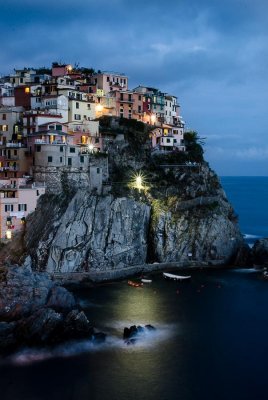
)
(179, 215)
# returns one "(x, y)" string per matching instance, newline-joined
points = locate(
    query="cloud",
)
(212, 55)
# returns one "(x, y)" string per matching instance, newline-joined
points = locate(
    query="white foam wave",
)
(249, 236)
(148, 339)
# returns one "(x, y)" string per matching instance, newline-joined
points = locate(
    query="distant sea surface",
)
(210, 343)
(249, 197)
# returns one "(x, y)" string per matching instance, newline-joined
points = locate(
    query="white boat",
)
(176, 277)
(146, 280)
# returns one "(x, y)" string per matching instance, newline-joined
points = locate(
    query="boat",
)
(145, 280)
(176, 277)
(134, 284)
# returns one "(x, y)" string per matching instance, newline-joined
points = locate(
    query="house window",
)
(121, 96)
(76, 105)
(69, 161)
(108, 79)
(4, 117)
(58, 128)
(38, 148)
(8, 207)
(72, 149)
(49, 159)
(15, 152)
(129, 97)
(61, 149)
(168, 140)
(81, 159)
(37, 193)
(98, 170)
(22, 207)
(77, 116)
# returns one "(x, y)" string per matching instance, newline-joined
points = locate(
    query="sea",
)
(210, 342)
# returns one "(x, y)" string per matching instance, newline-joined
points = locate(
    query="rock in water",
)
(260, 252)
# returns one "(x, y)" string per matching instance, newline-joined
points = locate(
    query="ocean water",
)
(210, 341)
(249, 197)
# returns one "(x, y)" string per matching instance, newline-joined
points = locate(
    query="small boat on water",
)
(134, 284)
(145, 280)
(176, 277)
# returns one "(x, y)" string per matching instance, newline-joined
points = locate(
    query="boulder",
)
(60, 299)
(133, 332)
(76, 325)
(43, 327)
(260, 252)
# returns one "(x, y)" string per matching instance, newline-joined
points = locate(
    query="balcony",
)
(15, 145)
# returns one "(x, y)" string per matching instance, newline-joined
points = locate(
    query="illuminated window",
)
(27, 90)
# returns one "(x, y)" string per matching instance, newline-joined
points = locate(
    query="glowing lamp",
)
(99, 108)
(90, 147)
(153, 118)
(8, 234)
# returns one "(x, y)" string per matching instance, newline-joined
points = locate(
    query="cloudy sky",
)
(212, 54)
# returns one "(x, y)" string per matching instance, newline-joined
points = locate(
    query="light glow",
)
(138, 181)
(90, 147)
(99, 108)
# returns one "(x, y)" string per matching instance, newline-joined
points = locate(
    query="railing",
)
(8, 169)
(15, 145)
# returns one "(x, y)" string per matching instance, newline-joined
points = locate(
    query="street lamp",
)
(153, 118)
(90, 147)
(139, 185)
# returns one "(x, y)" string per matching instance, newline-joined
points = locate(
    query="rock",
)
(22, 291)
(260, 252)
(150, 327)
(7, 337)
(60, 299)
(94, 232)
(76, 325)
(35, 311)
(130, 332)
(133, 332)
(244, 257)
(43, 327)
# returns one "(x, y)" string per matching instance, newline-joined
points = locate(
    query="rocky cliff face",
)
(189, 219)
(92, 232)
(195, 221)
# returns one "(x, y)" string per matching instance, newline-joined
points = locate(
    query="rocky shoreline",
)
(35, 311)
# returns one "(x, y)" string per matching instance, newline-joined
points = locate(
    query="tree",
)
(193, 144)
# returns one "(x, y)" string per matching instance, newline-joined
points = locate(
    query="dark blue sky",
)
(212, 54)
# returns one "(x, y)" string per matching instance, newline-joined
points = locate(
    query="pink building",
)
(17, 199)
(61, 69)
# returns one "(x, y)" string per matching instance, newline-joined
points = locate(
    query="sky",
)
(211, 54)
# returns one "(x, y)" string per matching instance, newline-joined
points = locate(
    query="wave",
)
(249, 236)
(148, 339)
